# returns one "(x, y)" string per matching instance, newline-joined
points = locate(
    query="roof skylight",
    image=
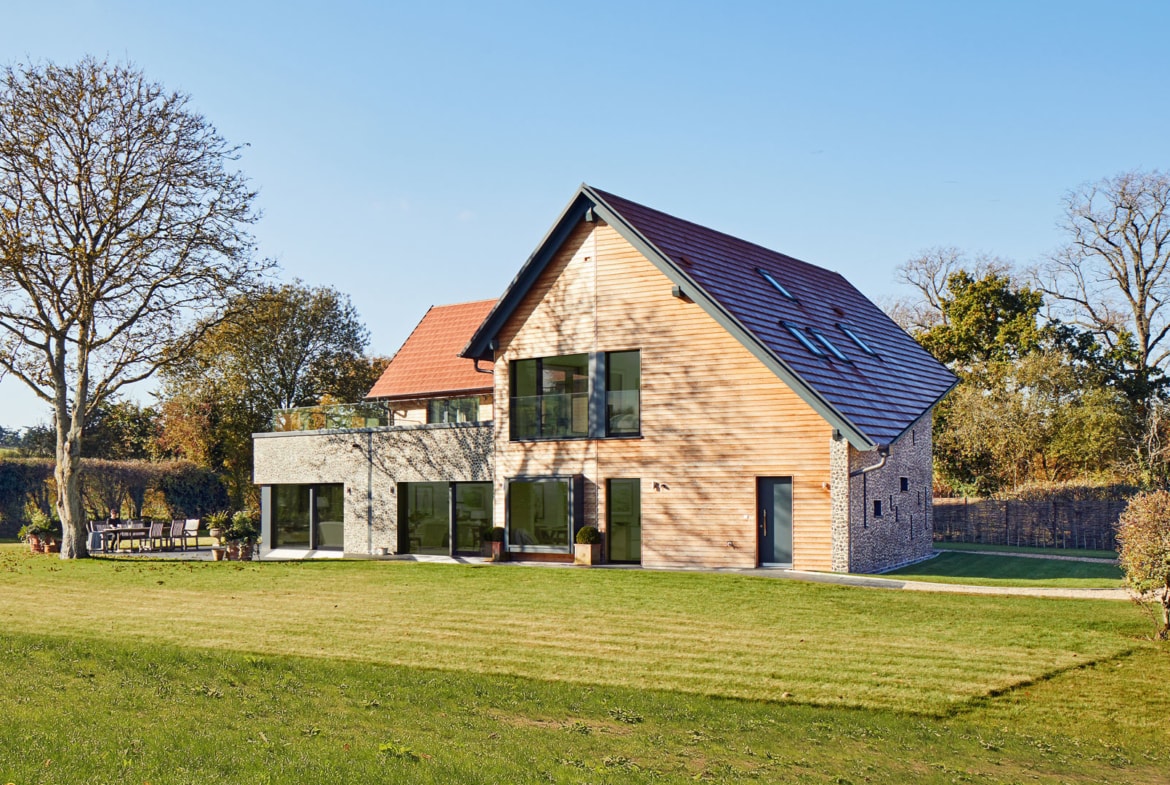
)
(833, 350)
(857, 340)
(775, 284)
(798, 335)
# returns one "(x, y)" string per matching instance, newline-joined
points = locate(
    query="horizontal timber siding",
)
(713, 417)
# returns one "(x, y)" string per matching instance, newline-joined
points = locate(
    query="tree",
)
(930, 273)
(291, 346)
(1113, 276)
(1143, 532)
(121, 222)
(984, 319)
(120, 430)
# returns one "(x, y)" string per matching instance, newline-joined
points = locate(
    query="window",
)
(622, 393)
(443, 518)
(453, 410)
(308, 516)
(540, 514)
(857, 339)
(877, 508)
(775, 284)
(833, 350)
(798, 335)
(904, 484)
(550, 397)
(576, 396)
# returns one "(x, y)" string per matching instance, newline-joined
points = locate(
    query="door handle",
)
(764, 520)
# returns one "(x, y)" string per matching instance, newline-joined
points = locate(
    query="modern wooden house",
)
(702, 400)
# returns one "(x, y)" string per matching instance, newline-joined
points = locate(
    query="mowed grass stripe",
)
(707, 634)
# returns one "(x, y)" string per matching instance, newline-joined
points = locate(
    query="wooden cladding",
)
(713, 417)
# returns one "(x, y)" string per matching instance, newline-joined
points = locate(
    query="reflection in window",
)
(539, 514)
(623, 530)
(622, 393)
(453, 410)
(550, 397)
(308, 516)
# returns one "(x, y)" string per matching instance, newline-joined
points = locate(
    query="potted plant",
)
(242, 536)
(496, 538)
(40, 534)
(216, 523)
(587, 546)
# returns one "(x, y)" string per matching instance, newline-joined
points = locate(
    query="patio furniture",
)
(175, 536)
(155, 538)
(191, 532)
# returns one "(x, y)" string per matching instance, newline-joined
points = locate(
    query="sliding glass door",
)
(308, 516)
(443, 518)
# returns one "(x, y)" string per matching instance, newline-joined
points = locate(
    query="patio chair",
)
(191, 532)
(155, 537)
(175, 536)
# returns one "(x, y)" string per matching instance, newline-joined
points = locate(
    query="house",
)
(702, 400)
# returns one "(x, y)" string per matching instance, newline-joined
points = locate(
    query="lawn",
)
(151, 671)
(975, 546)
(1008, 570)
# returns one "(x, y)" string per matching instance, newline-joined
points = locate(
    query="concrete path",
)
(949, 588)
(1051, 556)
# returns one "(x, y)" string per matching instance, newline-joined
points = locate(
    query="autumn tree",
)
(1143, 533)
(123, 225)
(292, 345)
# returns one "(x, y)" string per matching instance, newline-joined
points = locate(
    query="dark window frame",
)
(597, 421)
(314, 515)
(574, 508)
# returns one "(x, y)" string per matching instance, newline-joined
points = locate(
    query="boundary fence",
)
(1089, 523)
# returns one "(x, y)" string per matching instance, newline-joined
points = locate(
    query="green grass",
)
(980, 570)
(140, 671)
(974, 546)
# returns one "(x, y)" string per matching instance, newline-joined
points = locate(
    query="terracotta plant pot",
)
(233, 551)
(218, 552)
(498, 552)
(34, 543)
(52, 546)
(246, 549)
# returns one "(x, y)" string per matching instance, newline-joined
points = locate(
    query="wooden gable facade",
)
(713, 417)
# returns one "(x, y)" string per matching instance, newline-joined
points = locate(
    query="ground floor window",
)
(443, 518)
(308, 516)
(541, 513)
(623, 527)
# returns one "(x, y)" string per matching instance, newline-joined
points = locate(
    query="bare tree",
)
(930, 273)
(1113, 278)
(121, 222)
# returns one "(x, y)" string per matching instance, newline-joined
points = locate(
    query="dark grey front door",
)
(774, 519)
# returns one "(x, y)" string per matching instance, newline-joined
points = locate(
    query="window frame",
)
(597, 392)
(574, 509)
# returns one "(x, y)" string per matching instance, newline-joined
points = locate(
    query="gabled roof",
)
(428, 364)
(871, 397)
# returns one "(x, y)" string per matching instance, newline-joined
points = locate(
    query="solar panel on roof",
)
(775, 284)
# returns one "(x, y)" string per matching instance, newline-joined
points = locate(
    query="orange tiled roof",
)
(429, 363)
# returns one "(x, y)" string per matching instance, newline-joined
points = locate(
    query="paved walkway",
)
(1050, 556)
(947, 588)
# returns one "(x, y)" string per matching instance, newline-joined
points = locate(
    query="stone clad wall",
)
(370, 463)
(903, 533)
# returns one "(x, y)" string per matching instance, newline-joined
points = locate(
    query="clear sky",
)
(411, 154)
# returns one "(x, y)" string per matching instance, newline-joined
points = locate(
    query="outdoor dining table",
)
(126, 531)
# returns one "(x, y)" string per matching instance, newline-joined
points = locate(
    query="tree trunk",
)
(68, 476)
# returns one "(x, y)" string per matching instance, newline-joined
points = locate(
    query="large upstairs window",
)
(576, 396)
(550, 397)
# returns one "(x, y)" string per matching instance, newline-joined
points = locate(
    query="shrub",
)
(496, 534)
(1143, 533)
(243, 528)
(588, 535)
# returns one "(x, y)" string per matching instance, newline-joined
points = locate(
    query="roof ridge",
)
(609, 195)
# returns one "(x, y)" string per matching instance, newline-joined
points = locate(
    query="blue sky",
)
(415, 153)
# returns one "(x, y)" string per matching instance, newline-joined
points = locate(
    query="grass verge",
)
(974, 546)
(982, 570)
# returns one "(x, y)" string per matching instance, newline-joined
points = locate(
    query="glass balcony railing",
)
(550, 416)
(334, 416)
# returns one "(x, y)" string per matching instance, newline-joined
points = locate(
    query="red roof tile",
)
(428, 364)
